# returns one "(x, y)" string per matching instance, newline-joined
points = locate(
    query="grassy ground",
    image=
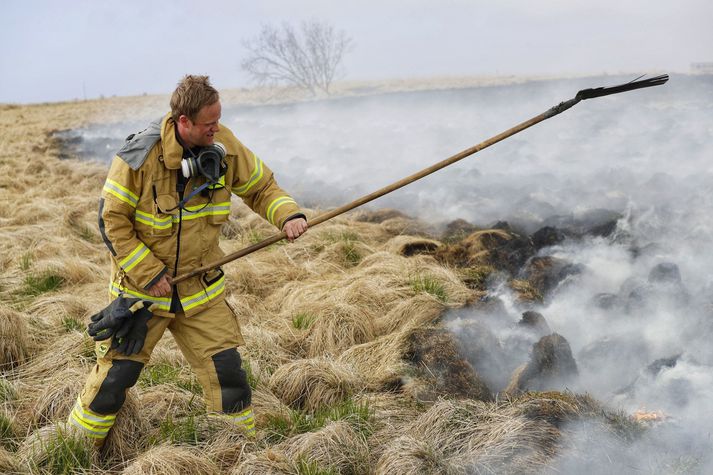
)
(327, 320)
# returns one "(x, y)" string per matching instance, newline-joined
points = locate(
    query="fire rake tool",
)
(584, 94)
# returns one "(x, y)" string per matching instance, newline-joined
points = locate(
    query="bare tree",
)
(308, 58)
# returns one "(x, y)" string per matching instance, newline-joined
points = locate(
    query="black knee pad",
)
(234, 388)
(111, 396)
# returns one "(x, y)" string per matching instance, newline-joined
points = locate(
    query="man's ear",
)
(183, 120)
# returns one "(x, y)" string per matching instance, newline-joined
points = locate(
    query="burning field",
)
(546, 308)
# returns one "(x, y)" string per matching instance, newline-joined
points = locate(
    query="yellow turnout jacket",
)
(142, 226)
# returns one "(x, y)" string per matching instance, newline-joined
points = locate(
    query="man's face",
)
(199, 133)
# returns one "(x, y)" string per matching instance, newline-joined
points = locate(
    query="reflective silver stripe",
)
(243, 418)
(93, 424)
(272, 207)
(254, 177)
(90, 433)
(124, 194)
(102, 420)
(154, 221)
(163, 303)
(199, 298)
(136, 256)
(199, 211)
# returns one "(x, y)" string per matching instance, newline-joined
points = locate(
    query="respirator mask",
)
(208, 164)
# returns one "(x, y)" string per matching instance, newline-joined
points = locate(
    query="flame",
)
(649, 416)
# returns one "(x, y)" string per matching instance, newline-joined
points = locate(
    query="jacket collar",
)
(172, 148)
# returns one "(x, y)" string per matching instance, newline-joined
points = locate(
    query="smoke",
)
(639, 314)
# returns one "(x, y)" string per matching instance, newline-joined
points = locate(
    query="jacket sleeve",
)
(119, 198)
(256, 185)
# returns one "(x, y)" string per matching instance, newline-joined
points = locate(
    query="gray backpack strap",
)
(138, 146)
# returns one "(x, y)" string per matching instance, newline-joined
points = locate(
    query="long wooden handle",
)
(372, 196)
(559, 108)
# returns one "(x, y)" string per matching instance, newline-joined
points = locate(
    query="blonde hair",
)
(191, 95)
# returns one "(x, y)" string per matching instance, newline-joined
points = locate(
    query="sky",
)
(64, 50)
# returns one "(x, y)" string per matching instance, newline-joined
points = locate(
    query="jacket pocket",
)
(153, 223)
(219, 212)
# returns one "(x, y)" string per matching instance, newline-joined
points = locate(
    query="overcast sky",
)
(62, 50)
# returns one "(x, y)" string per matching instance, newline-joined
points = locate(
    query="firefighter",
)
(164, 201)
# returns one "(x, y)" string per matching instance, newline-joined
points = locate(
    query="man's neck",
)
(184, 143)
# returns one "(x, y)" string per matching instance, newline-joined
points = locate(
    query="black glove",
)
(105, 323)
(130, 337)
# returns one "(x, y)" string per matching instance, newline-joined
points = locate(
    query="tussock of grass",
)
(59, 309)
(74, 270)
(14, 340)
(339, 235)
(475, 277)
(420, 310)
(338, 327)
(525, 291)
(289, 422)
(267, 461)
(410, 245)
(71, 324)
(225, 442)
(303, 320)
(39, 284)
(69, 350)
(50, 400)
(26, 261)
(171, 460)
(7, 431)
(8, 393)
(262, 273)
(57, 449)
(336, 448)
(313, 383)
(345, 253)
(305, 466)
(409, 455)
(265, 351)
(83, 225)
(166, 400)
(379, 364)
(9, 463)
(179, 431)
(475, 437)
(429, 285)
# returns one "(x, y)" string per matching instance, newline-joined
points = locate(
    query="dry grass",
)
(9, 464)
(57, 448)
(72, 350)
(167, 400)
(410, 245)
(473, 437)
(420, 310)
(352, 290)
(336, 447)
(43, 402)
(379, 364)
(171, 460)
(337, 328)
(265, 351)
(313, 383)
(13, 339)
(225, 443)
(266, 462)
(407, 455)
